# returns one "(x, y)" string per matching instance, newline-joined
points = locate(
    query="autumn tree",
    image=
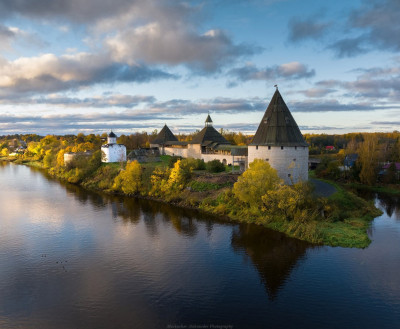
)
(290, 202)
(368, 159)
(255, 182)
(129, 180)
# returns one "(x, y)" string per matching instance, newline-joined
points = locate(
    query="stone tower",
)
(279, 141)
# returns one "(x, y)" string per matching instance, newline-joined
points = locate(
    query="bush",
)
(215, 166)
(193, 164)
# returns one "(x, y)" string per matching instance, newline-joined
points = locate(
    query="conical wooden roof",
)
(278, 127)
(209, 135)
(165, 135)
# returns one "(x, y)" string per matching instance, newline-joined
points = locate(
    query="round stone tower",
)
(279, 141)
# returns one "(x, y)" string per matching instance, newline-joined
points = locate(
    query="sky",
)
(71, 66)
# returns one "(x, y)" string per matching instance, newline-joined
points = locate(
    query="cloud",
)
(380, 20)
(288, 71)
(317, 92)
(158, 44)
(328, 83)
(150, 32)
(349, 47)
(310, 28)
(12, 34)
(375, 24)
(48, 73)
(333, 105)
(390, 123)
(74, 10)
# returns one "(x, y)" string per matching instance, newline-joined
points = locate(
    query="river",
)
(70, 258)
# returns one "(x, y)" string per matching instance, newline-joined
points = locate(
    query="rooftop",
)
(278, 127)
(165, 135)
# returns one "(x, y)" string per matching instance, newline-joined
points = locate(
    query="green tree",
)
(256, 182)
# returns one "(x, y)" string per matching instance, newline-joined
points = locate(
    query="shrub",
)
(194, 164)
(215, 166)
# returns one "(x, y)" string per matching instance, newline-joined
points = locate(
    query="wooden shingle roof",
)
(209, 134)
(165, 135)
(278, 127)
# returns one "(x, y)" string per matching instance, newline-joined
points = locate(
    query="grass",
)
(381, 189)
(206, 186)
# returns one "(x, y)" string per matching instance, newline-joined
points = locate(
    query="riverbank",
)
(342, 219)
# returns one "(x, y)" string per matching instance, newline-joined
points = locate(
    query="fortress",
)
(278, 140)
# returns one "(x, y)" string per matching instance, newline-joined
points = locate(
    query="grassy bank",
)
(339, 220)
(388, 189)
(345, 225)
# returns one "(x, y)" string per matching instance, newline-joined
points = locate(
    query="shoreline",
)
(350, 231)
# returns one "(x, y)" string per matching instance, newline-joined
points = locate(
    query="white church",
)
(113, 152)
(278, 140)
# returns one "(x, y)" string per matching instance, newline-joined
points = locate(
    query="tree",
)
(290, 202)
(129, 180)
(4, 152)
(368, 159)
(256, 182)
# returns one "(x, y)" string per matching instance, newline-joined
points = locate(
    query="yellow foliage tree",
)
(167, 183)
(129, 180)
(368, 158)
(158, 180)
(256, 182)
(4, 152)
(60, 158)
(289, 202)
(177, 177)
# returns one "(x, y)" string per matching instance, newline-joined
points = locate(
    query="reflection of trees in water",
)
(273, 254)
(126, 209)
(153, 213)
(85, 196)
(390, 203)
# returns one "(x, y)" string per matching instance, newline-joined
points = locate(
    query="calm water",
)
(74, 259)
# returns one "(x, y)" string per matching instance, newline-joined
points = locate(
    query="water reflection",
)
(390, 203)
(138, 263)
(273, 254)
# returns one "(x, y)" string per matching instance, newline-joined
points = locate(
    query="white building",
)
(207, 145)
(279, 141)
(113, 152)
